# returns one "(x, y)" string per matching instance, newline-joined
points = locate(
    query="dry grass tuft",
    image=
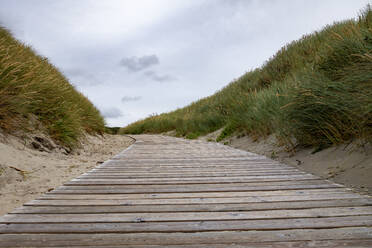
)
(30, 85)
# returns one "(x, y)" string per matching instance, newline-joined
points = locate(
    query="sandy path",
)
(26, 173)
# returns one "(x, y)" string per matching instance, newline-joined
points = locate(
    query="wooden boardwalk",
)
(168, 192)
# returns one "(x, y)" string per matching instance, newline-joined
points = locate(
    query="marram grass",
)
(314, 91)
(31, 87)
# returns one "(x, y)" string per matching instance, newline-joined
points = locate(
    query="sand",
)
(347, 164)
(27, 172)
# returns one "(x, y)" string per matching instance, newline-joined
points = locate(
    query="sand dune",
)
(26, 172)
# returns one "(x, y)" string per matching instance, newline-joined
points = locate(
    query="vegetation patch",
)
(227, 132)
(112, 130)
(315, 91)
(31, 87)
(192, 136)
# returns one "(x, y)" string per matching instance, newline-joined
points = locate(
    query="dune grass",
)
(31, 87)
(315, 91)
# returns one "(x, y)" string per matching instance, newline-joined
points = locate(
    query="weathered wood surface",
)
(169, 192)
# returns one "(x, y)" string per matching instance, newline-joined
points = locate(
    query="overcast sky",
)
(133, 58)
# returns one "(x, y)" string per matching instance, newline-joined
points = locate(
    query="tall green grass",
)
(32, 87)
(314, 91)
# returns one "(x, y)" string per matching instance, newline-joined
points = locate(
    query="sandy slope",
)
(348, 164)
(26, 173)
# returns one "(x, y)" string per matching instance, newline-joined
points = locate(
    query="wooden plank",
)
(190, 226)
(193, 180)
(250, 185)
(180, 175)
(232, 178)
(189, 162)
(190, 156)
(129, 171)
(217, 185)
(191, 169)
(152, 160)
(155, 169)
(177, 238)
(190, 173)
(175, 164)
(355, 243)
(186, 216)
(195, 207)
(224, 194)
(247, 199)
(118, 189)
(186, 165)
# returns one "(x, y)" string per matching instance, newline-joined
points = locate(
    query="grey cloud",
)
(159, 78)
(139, 63)
(111, 112)
(130, 98)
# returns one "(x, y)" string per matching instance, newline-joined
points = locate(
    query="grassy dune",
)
(315, 91)
(32, 88)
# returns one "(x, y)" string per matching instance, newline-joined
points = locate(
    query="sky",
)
(134, 58)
